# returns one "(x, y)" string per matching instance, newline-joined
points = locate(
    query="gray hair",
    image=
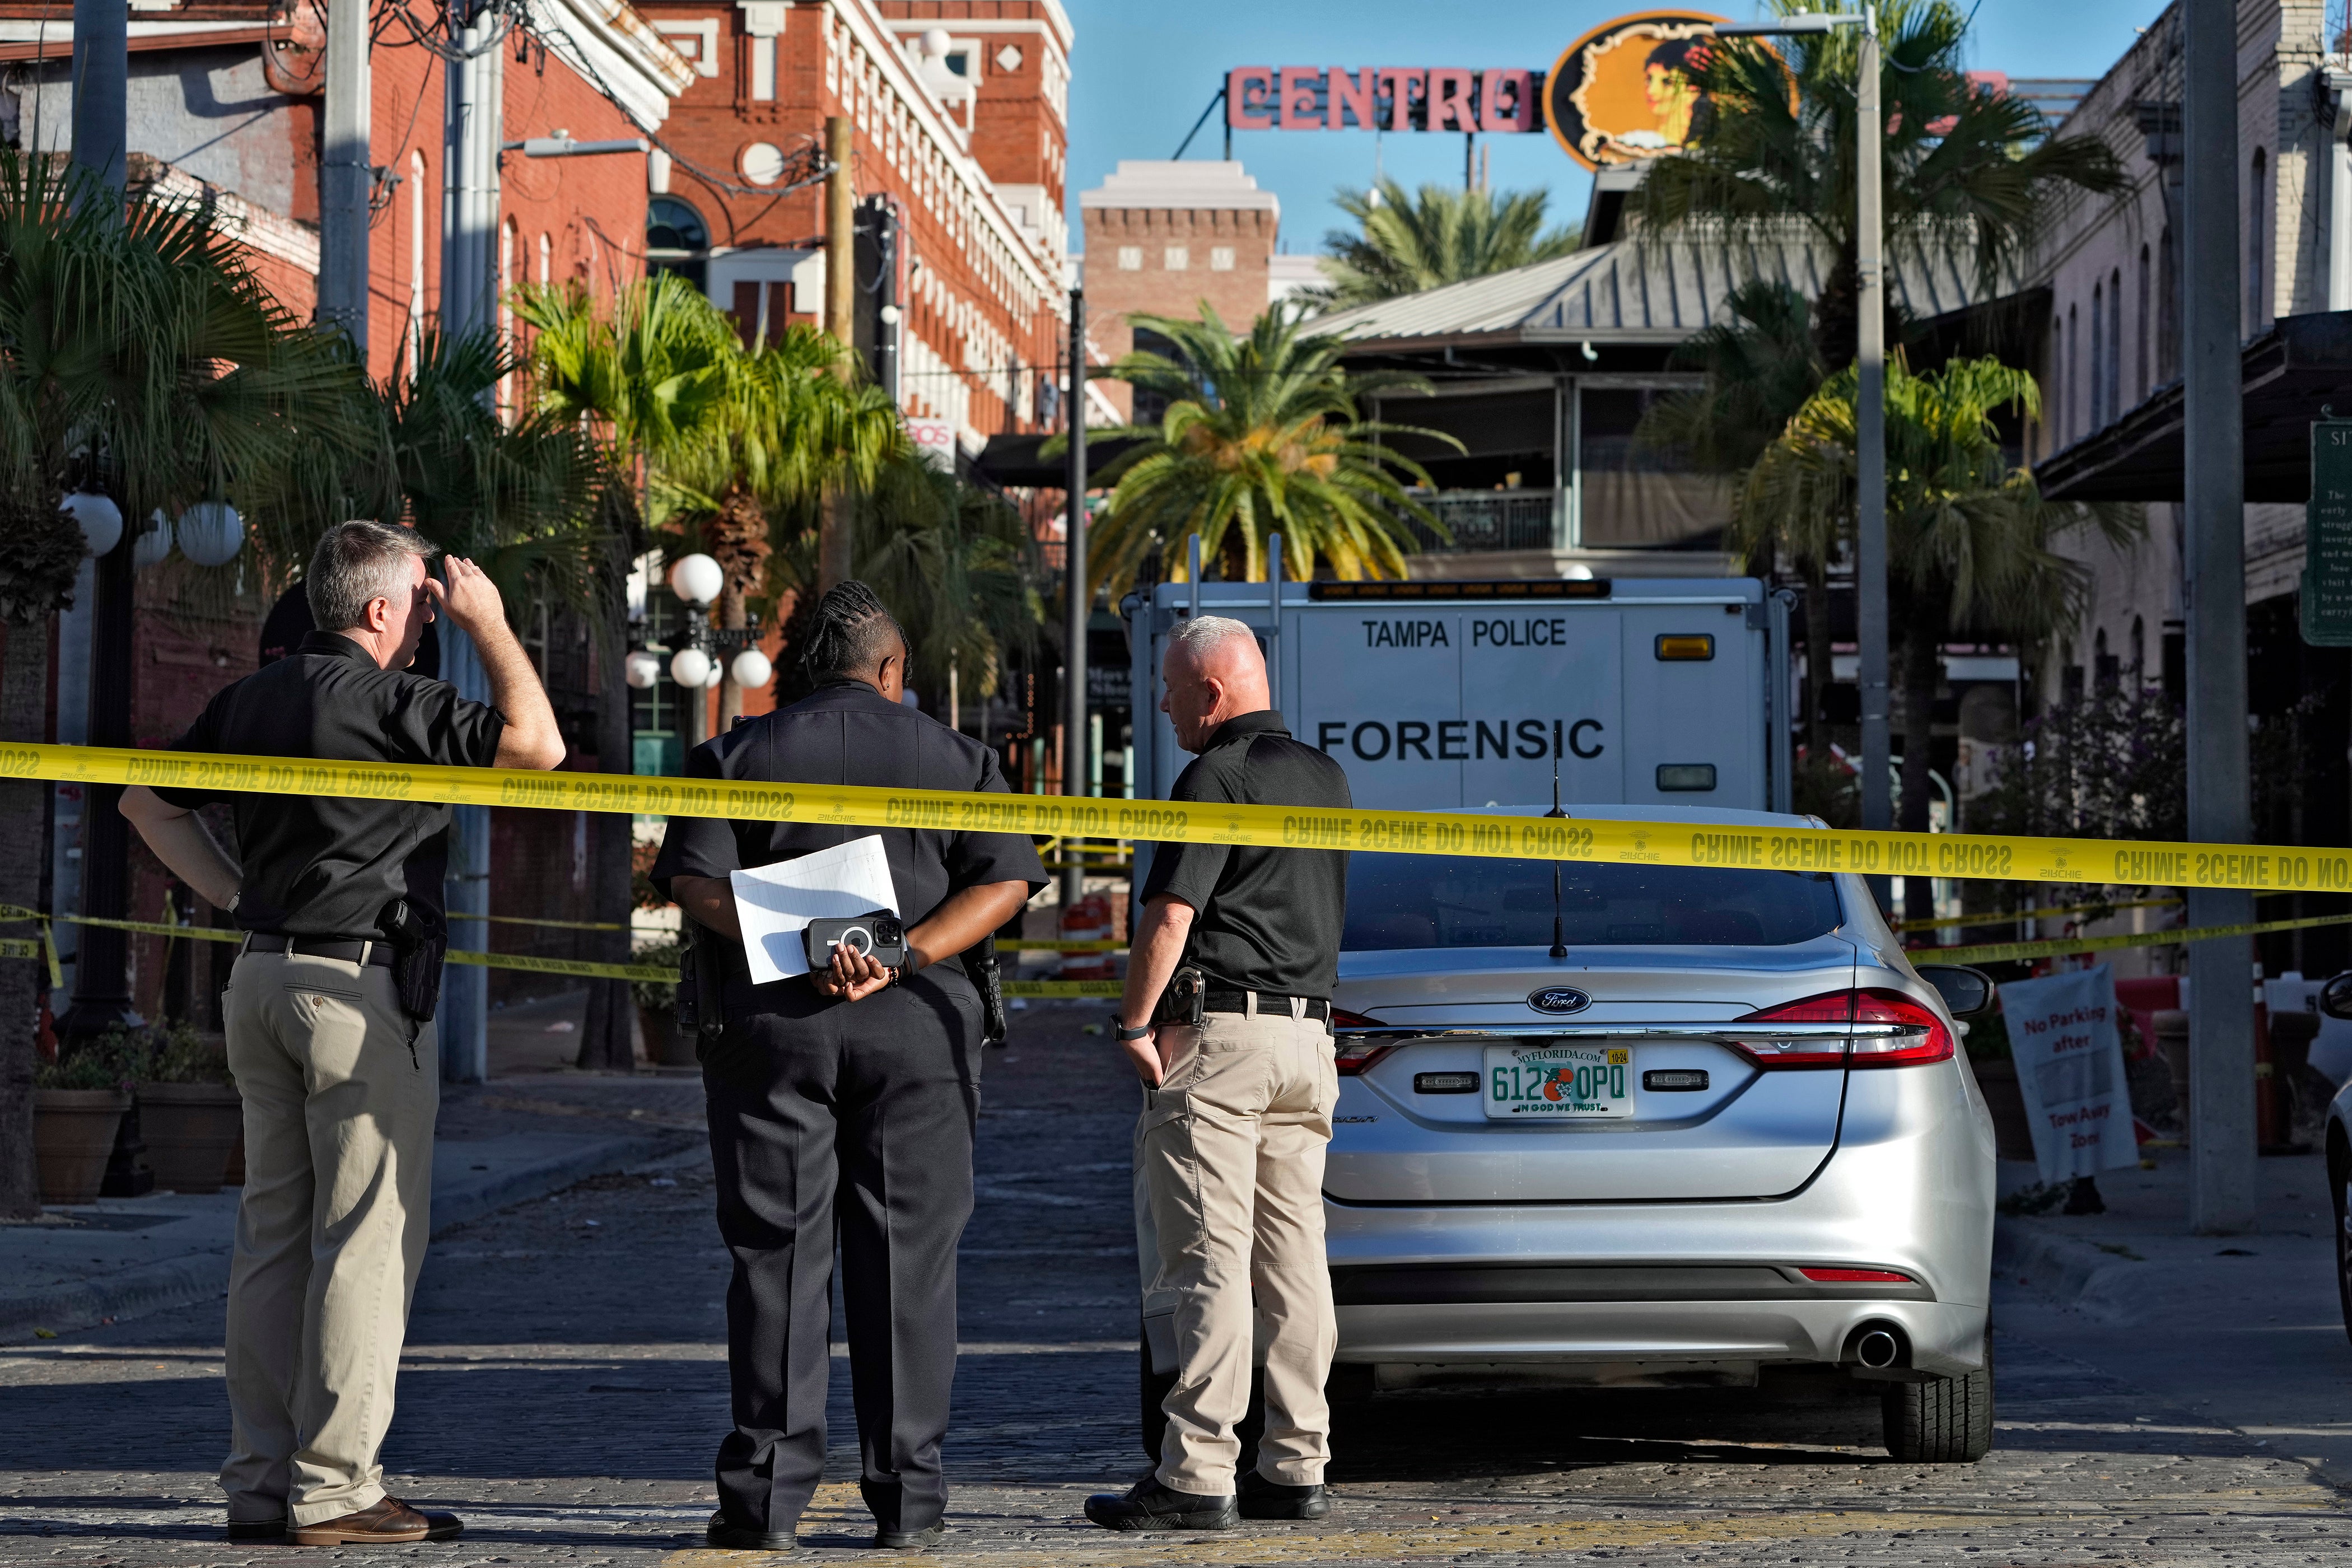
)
(1201, 635)
(357, 562)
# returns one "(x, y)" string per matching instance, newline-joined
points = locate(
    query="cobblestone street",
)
(565, 1389)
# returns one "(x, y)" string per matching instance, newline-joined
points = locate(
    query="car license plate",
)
(1578, 1083)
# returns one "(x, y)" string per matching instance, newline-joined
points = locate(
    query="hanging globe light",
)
(697, 579)
(691, 667)
(155, 541)
(642, 669)
(211, 533)
(751, 669)
(100, 520)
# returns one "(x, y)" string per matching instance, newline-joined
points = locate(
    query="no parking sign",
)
(2070, 1067)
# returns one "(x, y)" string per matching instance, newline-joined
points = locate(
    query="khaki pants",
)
(338, 1109)
(1232, 1145)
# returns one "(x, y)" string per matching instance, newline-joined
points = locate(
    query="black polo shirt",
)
(846, 732)
(1265, 920)
(326, 868)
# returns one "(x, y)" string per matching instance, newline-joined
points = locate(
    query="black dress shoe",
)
(921, 1540)
(1148, 1505)
(745, 1538)
(257, 1528)
(1263, 1498)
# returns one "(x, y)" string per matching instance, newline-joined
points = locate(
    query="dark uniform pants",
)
(855, 1119)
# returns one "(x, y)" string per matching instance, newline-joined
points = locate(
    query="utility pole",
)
(2221, 1156)
(102, 996)
(1870, 456)
(101, 89)
(836, 557)
(346, 174)
(474, 77)
(1076, 602)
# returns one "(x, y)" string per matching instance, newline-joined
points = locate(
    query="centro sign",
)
(1383, 98)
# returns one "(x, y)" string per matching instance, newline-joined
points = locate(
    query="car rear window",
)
(1447, 900)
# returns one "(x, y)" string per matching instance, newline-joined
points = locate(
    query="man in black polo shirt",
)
(338, 1065)
(1238, 1105)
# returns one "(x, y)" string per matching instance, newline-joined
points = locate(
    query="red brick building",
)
(960, 110)
(1166, 238)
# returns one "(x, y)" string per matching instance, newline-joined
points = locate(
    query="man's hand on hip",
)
(1143, 1056)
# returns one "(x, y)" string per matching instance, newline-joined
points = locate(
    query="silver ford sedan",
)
(1626, 1125)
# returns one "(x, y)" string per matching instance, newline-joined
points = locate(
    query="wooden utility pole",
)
(834, 555)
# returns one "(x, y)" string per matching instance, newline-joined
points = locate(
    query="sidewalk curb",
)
(200, 1277)
(2073, 1273)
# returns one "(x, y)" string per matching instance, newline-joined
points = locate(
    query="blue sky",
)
(1144, 71)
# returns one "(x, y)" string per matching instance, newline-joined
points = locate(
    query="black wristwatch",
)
(1127, 1035)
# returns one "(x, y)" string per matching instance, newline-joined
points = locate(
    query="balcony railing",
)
(1486, 520)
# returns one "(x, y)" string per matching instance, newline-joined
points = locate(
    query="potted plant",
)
(658, 1007)
(78, 1108)
(189, 1110)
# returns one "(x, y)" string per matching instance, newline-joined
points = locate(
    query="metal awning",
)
(2289, 373)
(1012, 462)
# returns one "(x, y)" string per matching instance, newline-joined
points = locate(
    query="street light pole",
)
(1076, 602)
(1870, 447)
(2222, 1154)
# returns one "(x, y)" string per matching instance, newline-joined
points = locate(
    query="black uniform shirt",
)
(846, 732)
(317, 866)
(1266, 919)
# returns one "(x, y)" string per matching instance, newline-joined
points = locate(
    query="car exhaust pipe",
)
(1877, 1349)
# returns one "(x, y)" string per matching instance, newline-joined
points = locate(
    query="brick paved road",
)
(564, 1387)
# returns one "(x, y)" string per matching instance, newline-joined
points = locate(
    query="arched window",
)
(2098, 387)
(2053, 402)
(2258, 290)
(415, 345)
(2167, 308)
(2074, 398)
(546, 258)
(677, 239)
(506, 314)
(2141, 385)
(2115, 345)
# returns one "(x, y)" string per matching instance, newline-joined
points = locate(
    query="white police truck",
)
(1438, 694)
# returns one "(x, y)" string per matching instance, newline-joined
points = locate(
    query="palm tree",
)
(1965, 170)
(1261, 435)
(1971, 540)
(138, 357)
(1442, 235)
(955, 563)
(1762, 367)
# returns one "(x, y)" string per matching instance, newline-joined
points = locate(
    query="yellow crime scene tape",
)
(9, 949)
(1994, 919)
(2001, 952)
(1984, 857)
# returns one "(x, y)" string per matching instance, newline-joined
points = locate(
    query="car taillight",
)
(1922, 1036)
(1926, 1036)
(1856, 1276)
(1354, 1056)
(1827, 1051)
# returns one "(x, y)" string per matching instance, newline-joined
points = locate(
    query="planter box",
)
(663, 1048)
(73, 1138)
(191, 1129)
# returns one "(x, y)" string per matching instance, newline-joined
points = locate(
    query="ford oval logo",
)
(1559, 999)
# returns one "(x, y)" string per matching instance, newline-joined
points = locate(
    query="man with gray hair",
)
(1226, 1017)
(329, 1013)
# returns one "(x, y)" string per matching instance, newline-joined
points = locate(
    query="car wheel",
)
(1943, 1421)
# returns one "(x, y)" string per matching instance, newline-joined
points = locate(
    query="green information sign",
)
(2327, 537)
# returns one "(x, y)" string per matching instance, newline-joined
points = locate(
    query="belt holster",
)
(988, 973)
(701, 1011)
(419, 940)
(1184, 998)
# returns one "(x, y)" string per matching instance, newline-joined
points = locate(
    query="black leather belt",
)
(1269, 1004)
(349, 951)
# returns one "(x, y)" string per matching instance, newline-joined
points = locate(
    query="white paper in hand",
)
(776, 903)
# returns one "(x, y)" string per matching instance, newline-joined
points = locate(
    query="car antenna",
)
(1559, 947)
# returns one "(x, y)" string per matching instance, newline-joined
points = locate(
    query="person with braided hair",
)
(844, 1100)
